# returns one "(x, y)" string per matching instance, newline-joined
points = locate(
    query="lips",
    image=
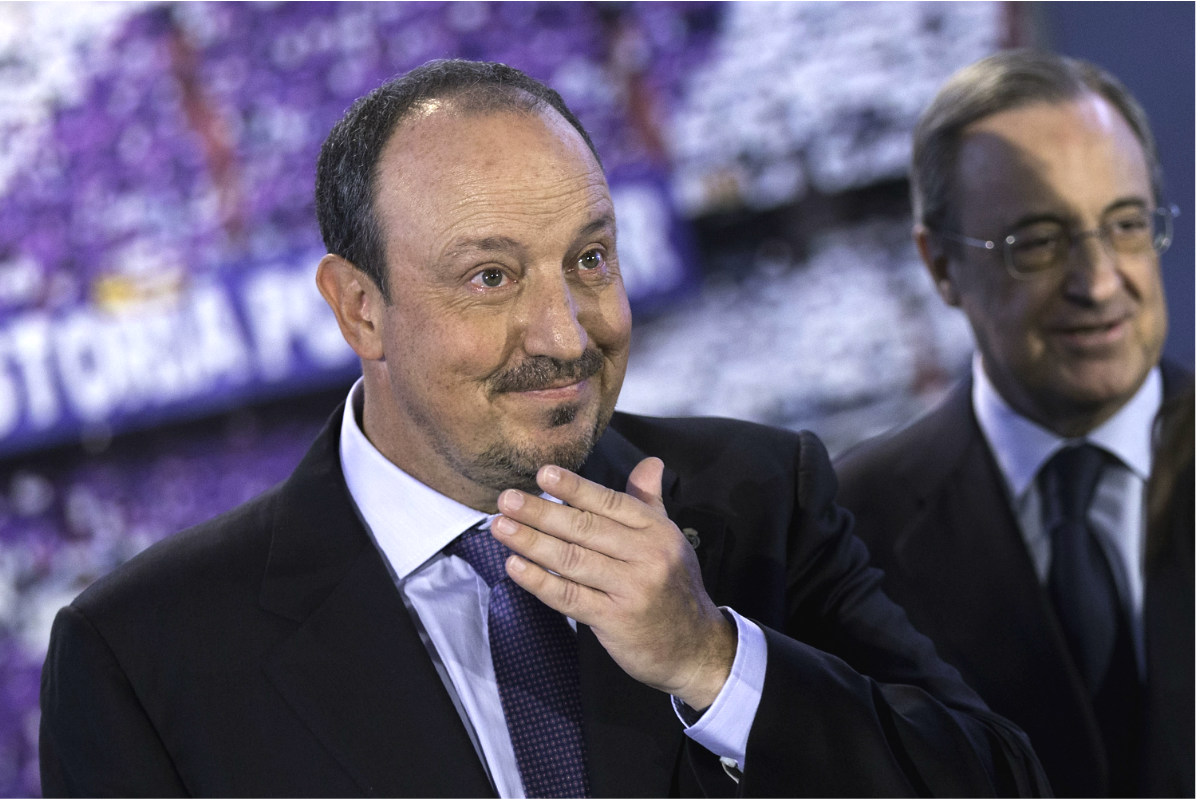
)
(560, 384)
(1090, 333)
(558, 391)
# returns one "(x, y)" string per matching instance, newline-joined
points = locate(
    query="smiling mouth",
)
(558, 390)
(1102, 333)
(549, 375)
(561, 384)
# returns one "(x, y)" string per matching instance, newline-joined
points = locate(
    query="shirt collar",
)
(410, 522)
(1021, 446)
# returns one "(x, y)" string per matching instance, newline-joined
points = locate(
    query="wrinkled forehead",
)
(449, 137)
(450, 167)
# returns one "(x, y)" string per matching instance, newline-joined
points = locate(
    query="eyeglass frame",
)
(1159, 245)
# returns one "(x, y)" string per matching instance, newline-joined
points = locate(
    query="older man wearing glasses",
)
(1011, 520)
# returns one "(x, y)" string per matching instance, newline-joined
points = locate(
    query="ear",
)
(356, 302)
(933, 253)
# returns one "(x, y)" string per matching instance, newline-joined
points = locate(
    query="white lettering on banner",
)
(171, 354)
(89, 366)
(269, 314)
(284, 309)
(29, 348)
(219, 342)
(97, 366)
(153, 367)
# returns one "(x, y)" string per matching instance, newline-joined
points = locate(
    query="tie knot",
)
(485, 555)
(1068, 480)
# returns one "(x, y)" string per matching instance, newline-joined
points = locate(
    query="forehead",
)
(446, 168)
(1078, 155)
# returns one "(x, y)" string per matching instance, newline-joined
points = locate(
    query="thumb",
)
(645, 482)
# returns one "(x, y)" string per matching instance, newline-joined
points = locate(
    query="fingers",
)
(587, 542)
(590, 516)
(580, 493)
(580, 563)
(614, 561)
(645, 483)
(575, 599)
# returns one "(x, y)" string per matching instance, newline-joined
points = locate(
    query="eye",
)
(1131, 224)
(591, 260)
(489, 278)
(1037, 239)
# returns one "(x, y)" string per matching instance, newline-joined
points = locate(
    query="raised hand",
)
(615, 562)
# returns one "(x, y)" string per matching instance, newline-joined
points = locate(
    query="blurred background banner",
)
(164, 353)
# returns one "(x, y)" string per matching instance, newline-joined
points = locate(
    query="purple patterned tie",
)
(537, 670)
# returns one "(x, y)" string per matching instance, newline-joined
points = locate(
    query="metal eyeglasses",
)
(1044, 245)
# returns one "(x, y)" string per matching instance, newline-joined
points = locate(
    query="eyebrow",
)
(1115, 205)
(490, 244)
(505, 244)
(606, 221)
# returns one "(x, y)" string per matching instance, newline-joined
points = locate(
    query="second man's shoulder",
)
(919, 447)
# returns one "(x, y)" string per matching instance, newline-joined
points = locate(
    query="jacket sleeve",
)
(95, 738)
(855, 701)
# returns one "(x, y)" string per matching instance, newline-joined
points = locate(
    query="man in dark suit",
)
(338, 636)
(1038, 211)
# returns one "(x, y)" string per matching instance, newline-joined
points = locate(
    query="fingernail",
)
(506, 525)
(551, 475)
(512, 499)
(515, 564)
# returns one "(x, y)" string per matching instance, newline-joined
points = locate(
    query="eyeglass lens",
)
(1129, 231)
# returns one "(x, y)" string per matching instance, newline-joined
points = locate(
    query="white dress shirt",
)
(411, 524)
(1021, 447)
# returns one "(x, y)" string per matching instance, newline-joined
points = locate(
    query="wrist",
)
(715, 666)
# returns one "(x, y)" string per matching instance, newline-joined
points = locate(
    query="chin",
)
(1108, 383)
(565, 441)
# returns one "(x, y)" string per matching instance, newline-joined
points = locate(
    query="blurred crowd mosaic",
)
(164, 354)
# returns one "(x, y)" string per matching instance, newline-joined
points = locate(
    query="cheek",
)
(611, 326)
(444, 352)
(1148, 285)
(1008, 317)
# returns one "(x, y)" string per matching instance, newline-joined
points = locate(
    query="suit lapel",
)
(357, 673)
(355, 669)
(965, 549)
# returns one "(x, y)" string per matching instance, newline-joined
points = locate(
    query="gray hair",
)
(348, 165)
(1001, 82)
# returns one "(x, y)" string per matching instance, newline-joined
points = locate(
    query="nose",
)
(550, 319)
(1093, 272)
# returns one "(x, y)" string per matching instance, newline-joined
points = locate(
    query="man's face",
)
(1067, 347)
(506, 340)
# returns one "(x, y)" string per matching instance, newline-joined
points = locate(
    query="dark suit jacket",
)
(930, 503)
(267, 652)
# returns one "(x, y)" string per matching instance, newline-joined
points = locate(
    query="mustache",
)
(540, 372)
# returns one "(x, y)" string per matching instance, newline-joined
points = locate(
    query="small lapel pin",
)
(693, 537)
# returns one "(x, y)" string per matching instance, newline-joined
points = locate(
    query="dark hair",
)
(1001, 82)
(349, 160)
